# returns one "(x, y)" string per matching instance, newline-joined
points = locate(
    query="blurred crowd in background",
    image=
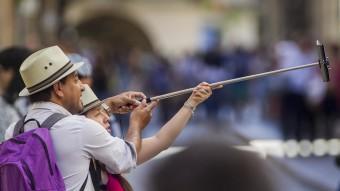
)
(157, 47)
(298, 102)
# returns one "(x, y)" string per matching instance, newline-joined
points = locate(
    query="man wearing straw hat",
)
(53, 86)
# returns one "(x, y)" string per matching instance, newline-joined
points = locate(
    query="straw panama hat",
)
(89, 99)
(44, 68)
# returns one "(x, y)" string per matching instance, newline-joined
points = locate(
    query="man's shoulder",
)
(79, 120)
(86, 126)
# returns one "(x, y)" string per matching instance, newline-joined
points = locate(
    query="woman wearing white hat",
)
(95, 109)
(53, 87)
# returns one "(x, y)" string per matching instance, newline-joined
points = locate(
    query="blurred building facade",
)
(173, 26)
(286, 19)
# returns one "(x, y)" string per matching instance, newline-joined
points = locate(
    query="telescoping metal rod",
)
(231, 81)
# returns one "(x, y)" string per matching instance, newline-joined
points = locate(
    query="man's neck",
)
(62, 104)
(58, 102)
(50, 105)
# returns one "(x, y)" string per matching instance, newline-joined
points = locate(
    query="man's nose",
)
(82, 87)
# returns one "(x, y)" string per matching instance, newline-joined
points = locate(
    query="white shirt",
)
(76, 140)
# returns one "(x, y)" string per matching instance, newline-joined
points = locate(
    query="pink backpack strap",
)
(113, 183)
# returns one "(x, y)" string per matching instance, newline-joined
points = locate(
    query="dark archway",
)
(112, 37)
(114, 31)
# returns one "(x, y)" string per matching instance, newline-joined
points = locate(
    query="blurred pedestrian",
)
(85, 71)
(10, 86)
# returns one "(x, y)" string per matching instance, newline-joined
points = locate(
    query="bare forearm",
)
(165, 136)
(133, 136)
(139, 118)
(168, 133)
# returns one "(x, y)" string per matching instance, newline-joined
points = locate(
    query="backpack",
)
(116, 182)
(28, 161)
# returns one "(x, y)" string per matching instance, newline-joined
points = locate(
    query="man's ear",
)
(58, 89)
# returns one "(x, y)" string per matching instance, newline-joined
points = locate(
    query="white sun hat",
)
(89, 99)
(44, 68)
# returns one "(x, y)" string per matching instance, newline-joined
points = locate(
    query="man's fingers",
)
(142, 105)
(137, 102)
(122, 110)
(128, 101)
(133, 98)
(151, 106)
(137, 95)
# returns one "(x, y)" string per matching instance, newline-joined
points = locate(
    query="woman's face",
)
(98, 114)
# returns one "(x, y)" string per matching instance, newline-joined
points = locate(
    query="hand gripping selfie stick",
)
(322, 63)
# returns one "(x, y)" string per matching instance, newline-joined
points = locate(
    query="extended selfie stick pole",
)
(322, 63)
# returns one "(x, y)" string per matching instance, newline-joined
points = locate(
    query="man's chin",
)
(81, 107)
(78, 110)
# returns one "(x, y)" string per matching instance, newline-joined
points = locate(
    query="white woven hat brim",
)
(88, 107)
(75, 66)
